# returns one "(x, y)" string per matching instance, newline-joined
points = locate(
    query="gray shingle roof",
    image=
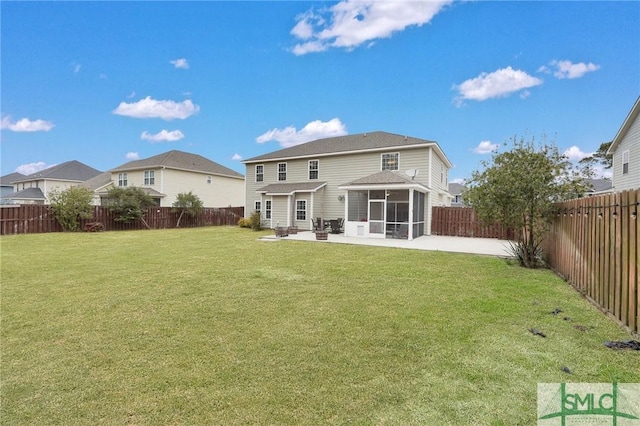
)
(97, 181)
(385, 177)
(70, 170)
(290, 188)
(598, 185)
(7, 180)
(345, 144)
(456, 188)
(26, 194)
(182, 161)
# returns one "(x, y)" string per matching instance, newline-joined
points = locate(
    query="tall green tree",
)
(187, 203)
(129, 204)
(600, 157)
(71, 205)
(519, 188)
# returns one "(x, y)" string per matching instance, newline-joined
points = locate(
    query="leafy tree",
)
(71, 205)
(187, 203)
(129, 204)
(599, 157)
(519, 187)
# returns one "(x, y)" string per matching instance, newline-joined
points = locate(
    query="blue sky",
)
(106, 82)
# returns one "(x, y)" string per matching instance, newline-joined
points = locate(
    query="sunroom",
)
(385, 205)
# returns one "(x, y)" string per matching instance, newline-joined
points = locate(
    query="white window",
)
(390, 161)
(122, 179)
(625, 162)
(282, 171)
(208, 179)
(267, 209)
(259, 172)
(258, 206)
(149, 177)
(301, 210)
(314, 166)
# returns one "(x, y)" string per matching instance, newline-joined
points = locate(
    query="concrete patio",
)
(486, 246)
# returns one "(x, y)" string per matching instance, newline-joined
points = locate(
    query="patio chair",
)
(316, 224)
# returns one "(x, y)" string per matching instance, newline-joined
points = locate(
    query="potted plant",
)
(293, 230)
(322, 235)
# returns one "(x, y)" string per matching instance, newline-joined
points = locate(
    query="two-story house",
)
(625, 149)
(382, 185)
(166, 175)
(35, 188)
(6, 186)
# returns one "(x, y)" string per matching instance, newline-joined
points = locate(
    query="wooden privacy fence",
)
(463, 222)
(29, 219)
(593, 244)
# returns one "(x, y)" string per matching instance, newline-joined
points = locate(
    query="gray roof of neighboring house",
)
(456, 188)
(182, 161)
(26, 194)
(70, 170)
(385, 177)
(599, 185)
(97, 181)
(626, 125)
(290, 188)
(7, 180)
(347, 144)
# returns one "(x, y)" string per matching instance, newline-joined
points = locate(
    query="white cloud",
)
(485, 147)
(567, 69)
(27, 169)
(574, 153)
(132, 156)
(499, 83)
(317, 129)
(163, 136)
(26, 125)
(236, 157)
(76, 67)
(457, 180)
(351, 23)
(151, 108)
(131, 95)
(180, 63)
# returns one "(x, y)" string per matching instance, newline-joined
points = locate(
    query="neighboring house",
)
(625, 149)
(598, 186)
(166, 175)
(98, 184)
(380, 184)
(6, 184)
(35, 188)
(456, 190)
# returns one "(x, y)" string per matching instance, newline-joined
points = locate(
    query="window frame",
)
(315, 170)
(257, 206)
(267, 209)
(385, 161)
(259, 174)
(625, 164)
(301, 210)
(149, 178)
(123, 179)
(209, 179)
(282, 173)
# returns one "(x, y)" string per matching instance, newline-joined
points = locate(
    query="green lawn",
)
(212, 326)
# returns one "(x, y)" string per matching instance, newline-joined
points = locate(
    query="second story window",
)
(149, 177)
(390, 161)
(208, 179)
(122, 179)
(259, 172)
(625, 162)
(314, 166)
(282, 171)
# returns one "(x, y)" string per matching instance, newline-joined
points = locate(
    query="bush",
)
(252, 222)
(71, 205)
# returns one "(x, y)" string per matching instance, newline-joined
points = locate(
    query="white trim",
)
(309, 170)
(278, 171)
(397, 154)
(255, 173)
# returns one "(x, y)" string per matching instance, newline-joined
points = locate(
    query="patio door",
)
(376, 218)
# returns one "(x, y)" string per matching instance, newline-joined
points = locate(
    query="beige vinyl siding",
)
(336, 170)
(221, 192)
(631, 143)
(279, 208)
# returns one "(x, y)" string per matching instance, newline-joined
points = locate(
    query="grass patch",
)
(211, 326)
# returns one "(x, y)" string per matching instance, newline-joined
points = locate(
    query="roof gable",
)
(69, 170)
(179, 160)
(626, 125)
(456, 188)
(7, 180)
(348, 144)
